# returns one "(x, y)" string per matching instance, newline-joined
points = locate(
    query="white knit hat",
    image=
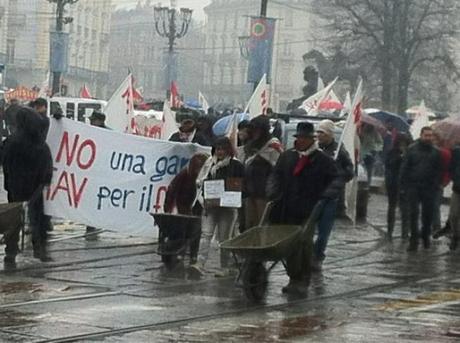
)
(327, 126)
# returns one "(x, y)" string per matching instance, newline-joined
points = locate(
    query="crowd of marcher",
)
(293, 180)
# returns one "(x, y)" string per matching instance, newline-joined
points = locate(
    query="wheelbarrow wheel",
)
(255, 280)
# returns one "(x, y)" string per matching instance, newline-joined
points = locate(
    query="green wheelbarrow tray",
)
(264, 243)
(11, 217)
(272, 242)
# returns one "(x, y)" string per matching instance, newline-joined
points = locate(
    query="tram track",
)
(238, 312)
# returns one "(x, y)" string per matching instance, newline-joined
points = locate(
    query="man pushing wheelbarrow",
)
(301, 178)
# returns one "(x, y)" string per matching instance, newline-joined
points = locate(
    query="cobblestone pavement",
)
(114, 289)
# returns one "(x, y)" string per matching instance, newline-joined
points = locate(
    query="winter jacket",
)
(27, 161)
(296, 196)
(345, 168)
(259, 163)
(455, 168)
(181, 192)
(421, 167)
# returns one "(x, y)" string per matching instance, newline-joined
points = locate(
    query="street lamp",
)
(171, 24)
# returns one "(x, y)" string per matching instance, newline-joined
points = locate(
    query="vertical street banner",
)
(261, 48)
(110, 180)
(59, 50)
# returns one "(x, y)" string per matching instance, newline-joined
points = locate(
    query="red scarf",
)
(301, 164)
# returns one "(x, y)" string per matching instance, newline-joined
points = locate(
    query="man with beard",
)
(421, 175)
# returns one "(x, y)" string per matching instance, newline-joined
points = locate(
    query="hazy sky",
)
(196, 5)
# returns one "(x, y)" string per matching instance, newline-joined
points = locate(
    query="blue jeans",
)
(325, 225)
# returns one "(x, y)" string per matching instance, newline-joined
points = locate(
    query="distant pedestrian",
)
(96, 119)
(371, 146)
(188, 134)
(454, 213)
(301, 178)
(446, 156)
(345, 173)
(204, 127)
(222, 165)
(420, 178)
(396, 195)
(28, 168)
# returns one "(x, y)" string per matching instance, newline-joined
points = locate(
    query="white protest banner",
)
(111, 180)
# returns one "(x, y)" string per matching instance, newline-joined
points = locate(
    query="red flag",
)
(84, 93)
(175, 99)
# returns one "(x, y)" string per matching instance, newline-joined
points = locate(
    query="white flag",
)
(169, 122)
(258, 103)
(351, 143)
(120, 108)
(421, 119)
(203, 102)
(45, 87)
(320, 84)
(311, 105)
(346, 105)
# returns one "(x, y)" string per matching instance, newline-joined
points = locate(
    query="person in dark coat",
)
(454, 213)
(181, 196)
(395, 194)
(301, 178)
(10, 115)
(222, 165)
(421, 176)
(188, 134)
(260, 155)
(204, 127)
(345, 169)
(28, 168)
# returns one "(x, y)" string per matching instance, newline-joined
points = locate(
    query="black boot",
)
(413, 245)
(426, 242)
(44, 257)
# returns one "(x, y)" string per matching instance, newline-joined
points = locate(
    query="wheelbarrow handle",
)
(264, 220)
(309, 226)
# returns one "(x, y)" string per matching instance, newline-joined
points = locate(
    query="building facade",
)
(225, 70)
(28, 44)
(3, 29)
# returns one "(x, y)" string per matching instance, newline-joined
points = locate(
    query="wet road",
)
(114, 289)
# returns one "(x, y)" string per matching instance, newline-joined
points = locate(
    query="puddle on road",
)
(19, 287)
(433, 298)
(12, 318)
(273, 330)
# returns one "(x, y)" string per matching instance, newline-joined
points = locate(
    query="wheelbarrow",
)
(12, 220)
(177, 234)
(263, 247)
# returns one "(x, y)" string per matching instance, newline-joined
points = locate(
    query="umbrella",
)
(398, 122)
(221, 126)
(377, 124)
(448, 130)
(330, 105)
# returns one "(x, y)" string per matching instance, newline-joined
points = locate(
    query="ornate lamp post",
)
(172, 24)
